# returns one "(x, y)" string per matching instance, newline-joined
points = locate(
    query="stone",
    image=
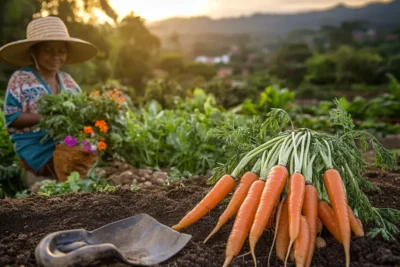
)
(102, 173)
(148, 184)
(160, 175)
(160, 181)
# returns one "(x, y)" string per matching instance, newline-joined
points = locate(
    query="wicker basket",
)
(71, 159)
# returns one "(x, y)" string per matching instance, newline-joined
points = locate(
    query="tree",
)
(289, 62)
(70, 10)
(138, 46)
(342, 34)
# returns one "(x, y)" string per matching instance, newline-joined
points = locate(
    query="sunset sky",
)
(153, 10)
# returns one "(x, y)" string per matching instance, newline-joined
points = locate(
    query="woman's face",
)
(51, 55)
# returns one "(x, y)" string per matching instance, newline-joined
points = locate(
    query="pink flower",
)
(70, 141)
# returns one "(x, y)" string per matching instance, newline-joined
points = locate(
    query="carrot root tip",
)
(227, 261)
(253, 254)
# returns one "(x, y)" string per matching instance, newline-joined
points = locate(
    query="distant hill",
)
(379, 15)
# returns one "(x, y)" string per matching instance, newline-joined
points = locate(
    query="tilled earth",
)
(24, 222)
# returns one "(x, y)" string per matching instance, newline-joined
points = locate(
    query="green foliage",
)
(200, 69)
(321, 69)
(138, 45)
(164, 91)
(10, 171)
(393, 65)
(175, 138)
(289, 62)
(272, 97)
(74, 184)
(228, 94)
(172, 63)
(357, 66)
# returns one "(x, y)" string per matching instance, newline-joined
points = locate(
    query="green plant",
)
(73, 184)
(10, 171)
(272, 97)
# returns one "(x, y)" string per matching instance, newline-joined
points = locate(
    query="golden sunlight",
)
(152, 10)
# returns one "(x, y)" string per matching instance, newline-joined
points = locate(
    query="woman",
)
(47, 48)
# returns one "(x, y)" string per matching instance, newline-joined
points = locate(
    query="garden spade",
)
(137, 240)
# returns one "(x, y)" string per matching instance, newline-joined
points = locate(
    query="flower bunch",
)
(90, 140)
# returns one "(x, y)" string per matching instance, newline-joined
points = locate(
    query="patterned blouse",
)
(25, 87)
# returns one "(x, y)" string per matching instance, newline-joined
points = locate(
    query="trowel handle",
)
(71, 248)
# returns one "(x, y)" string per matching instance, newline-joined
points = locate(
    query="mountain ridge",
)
(378, 14)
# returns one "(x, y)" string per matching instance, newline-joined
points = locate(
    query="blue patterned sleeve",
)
(13, 101)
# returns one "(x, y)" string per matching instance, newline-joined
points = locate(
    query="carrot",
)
(302, 243)
(334, 186)
(310, 211)
(319, 225)
(274, 185)
(278, 216)
(209, 202)
(325, 213)
(295, 204)
(282, 235)
(355, 225)
(243, 221)
(237, 199)
(271, 220)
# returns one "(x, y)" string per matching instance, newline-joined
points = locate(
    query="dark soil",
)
(24, 222)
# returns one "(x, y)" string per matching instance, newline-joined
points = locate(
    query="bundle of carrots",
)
(299, 181)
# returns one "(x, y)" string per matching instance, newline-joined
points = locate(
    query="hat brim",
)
(18, 53)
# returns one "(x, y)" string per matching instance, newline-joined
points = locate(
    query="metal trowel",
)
(137, 240)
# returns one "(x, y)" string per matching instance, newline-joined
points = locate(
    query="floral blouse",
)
(24, 89)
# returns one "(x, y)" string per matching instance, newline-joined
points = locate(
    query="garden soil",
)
(24, 222)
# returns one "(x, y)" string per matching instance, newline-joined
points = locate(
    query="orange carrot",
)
(325, 213)
(310, 211)
(355, 226)
(334, 186)
(209, 202)
(274, 185)
(295, 204)
(272, 219)
(282, 236)
(278, 216)
(319, 225)
(237, 199)
(302, 243)
(243, 221)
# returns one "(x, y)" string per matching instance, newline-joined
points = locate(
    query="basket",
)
(71, 159)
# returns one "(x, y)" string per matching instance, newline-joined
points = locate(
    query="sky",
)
(153, 10)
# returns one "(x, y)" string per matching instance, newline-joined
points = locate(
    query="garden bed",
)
(24, 222)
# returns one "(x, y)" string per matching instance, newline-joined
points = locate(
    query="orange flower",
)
(88, 130)
(102, 139)
(102, 125)
(121, 99)
(95, 93)
(102, 145)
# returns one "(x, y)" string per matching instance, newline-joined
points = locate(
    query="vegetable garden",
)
(256, 184)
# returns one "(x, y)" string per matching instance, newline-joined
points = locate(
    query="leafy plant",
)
(272, 97)
(73, 184)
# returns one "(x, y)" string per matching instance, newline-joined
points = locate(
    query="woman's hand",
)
(26, 119)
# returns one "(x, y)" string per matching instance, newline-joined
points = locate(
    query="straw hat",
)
(46, 29)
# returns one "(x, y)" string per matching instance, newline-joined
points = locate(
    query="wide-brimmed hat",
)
(46, 29)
